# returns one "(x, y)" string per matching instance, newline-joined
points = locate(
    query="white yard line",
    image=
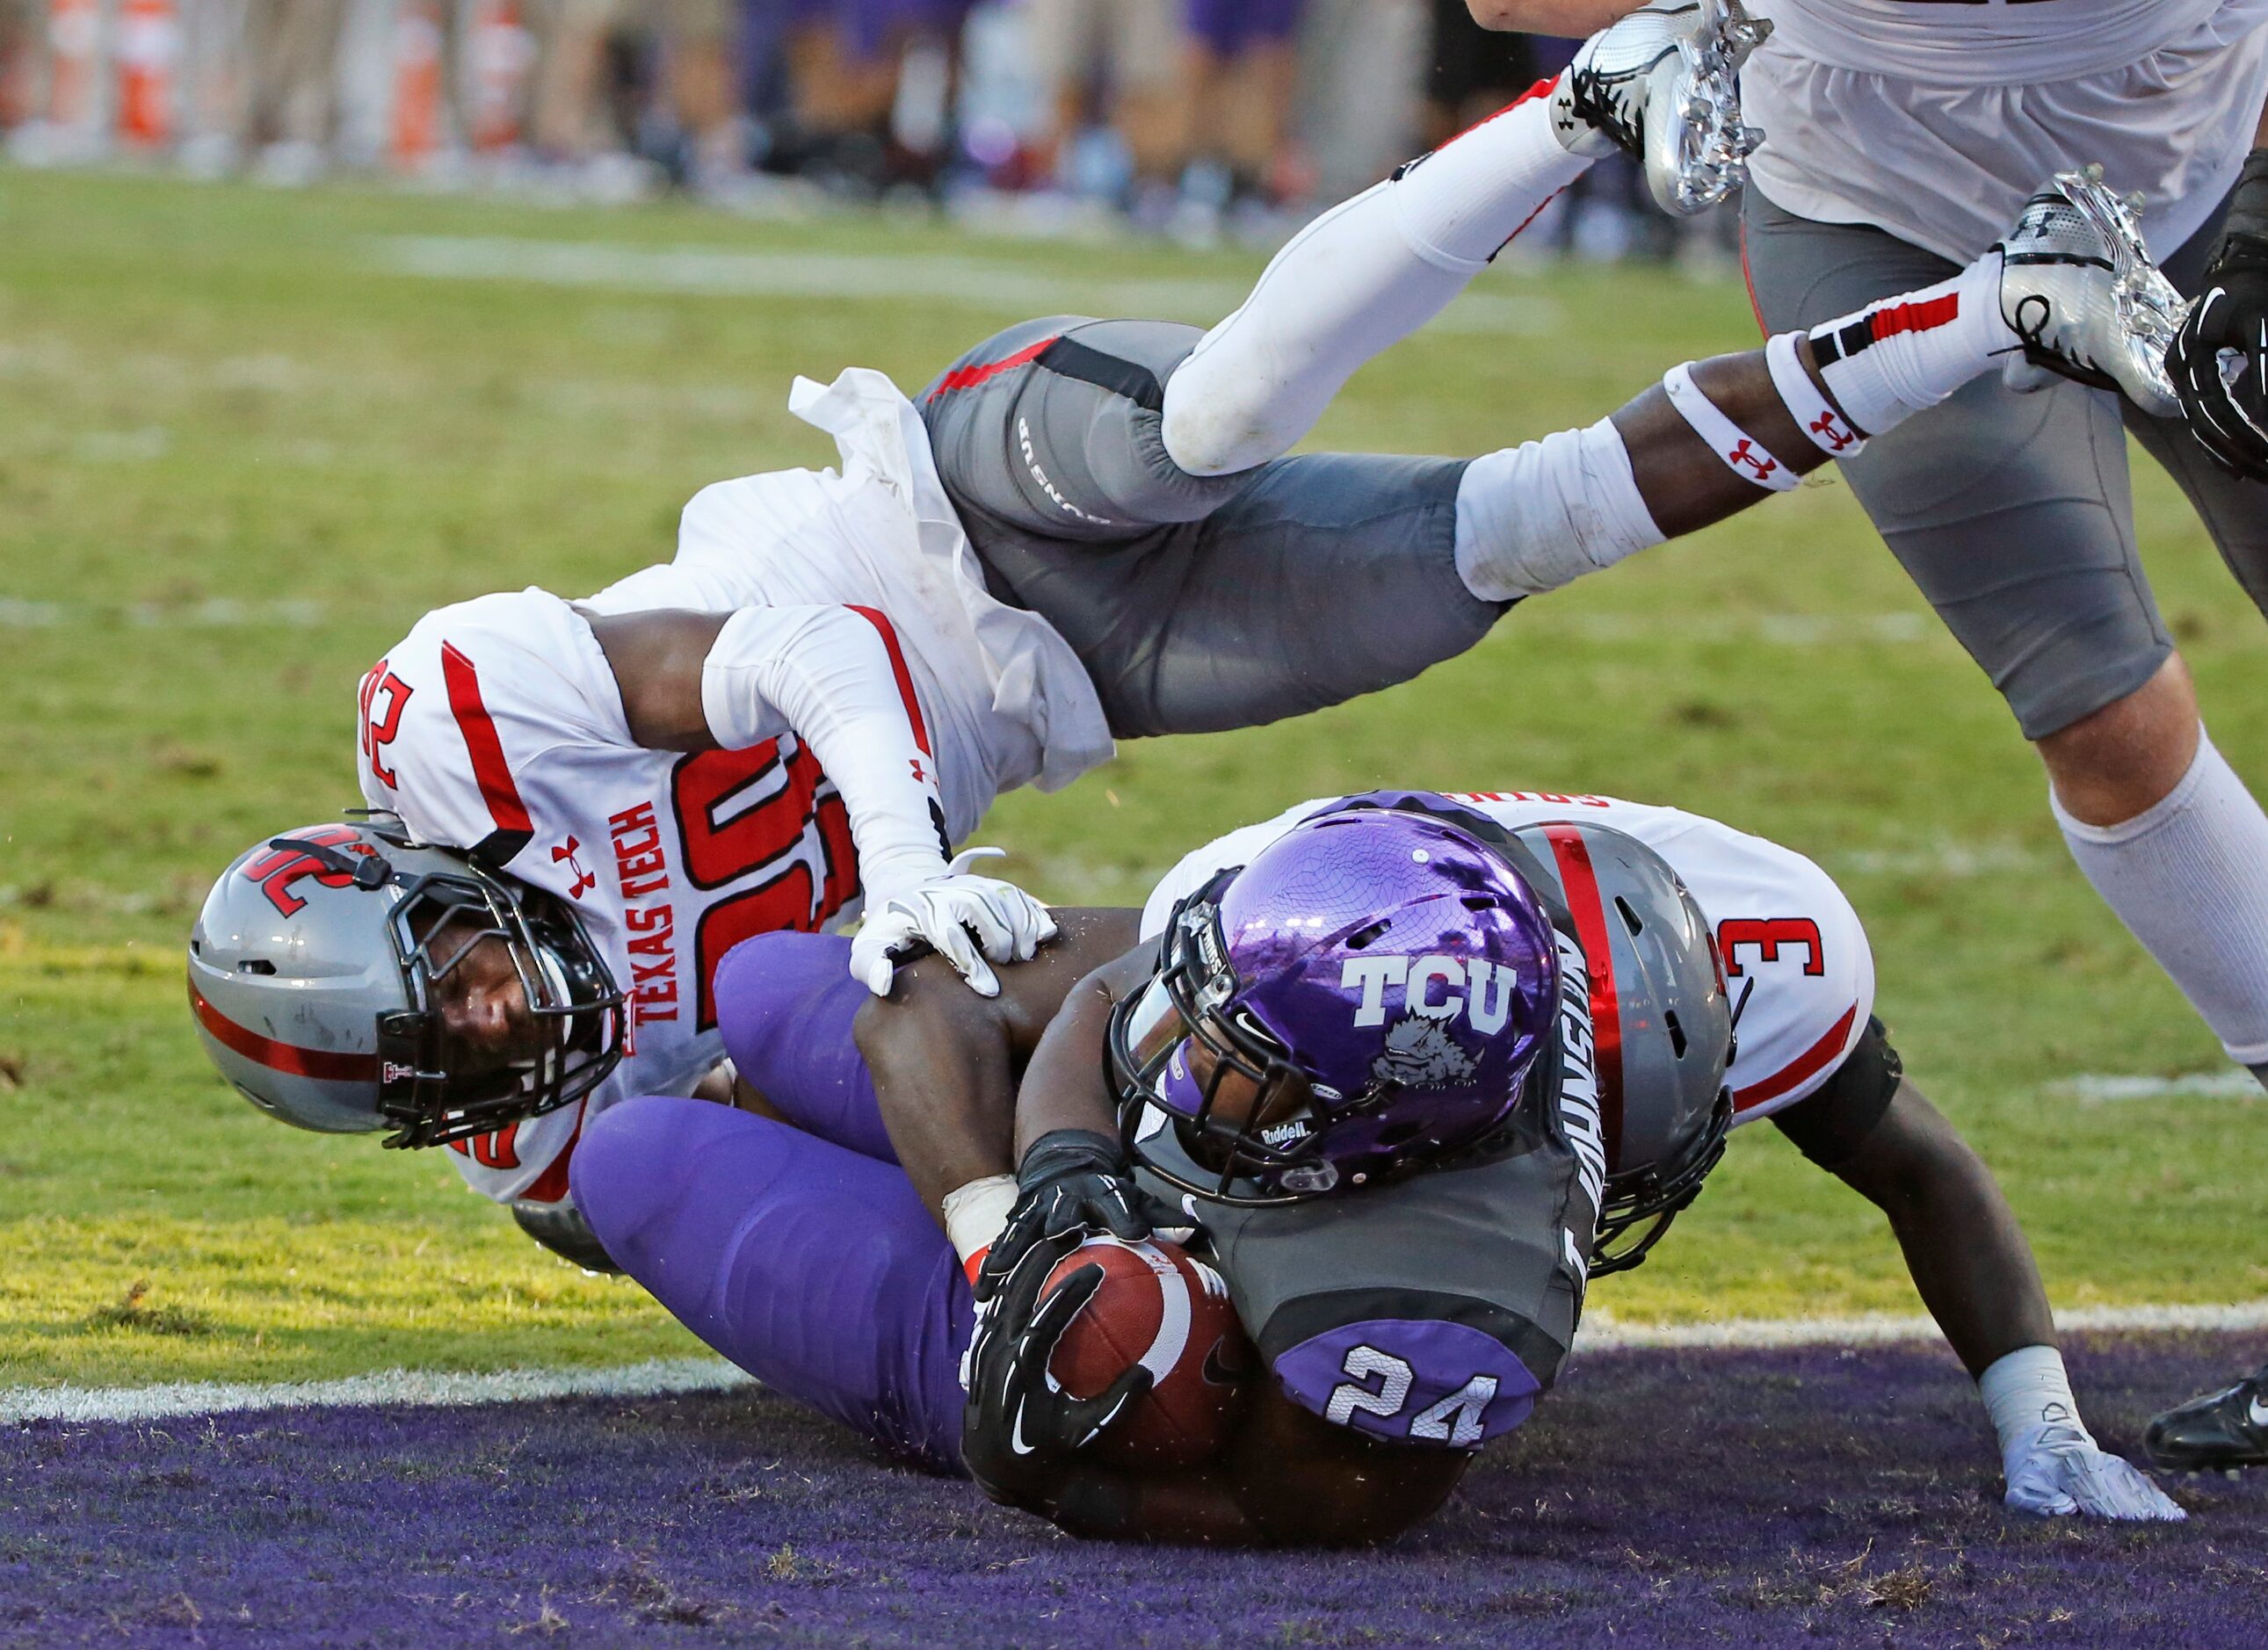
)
(391, 1385)
(2096, 1088)
(1015, 288)
(662, 1376)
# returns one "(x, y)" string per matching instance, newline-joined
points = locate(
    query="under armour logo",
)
(921, 776)
(1760, 465)
(1831, 433)
(584, 881)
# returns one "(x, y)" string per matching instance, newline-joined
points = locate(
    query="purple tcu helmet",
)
(1381, 980)
(315, 973)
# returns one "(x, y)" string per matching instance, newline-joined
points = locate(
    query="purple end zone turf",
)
(1751, 1499)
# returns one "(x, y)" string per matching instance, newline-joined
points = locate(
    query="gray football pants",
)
(1197, 603)
(2013, 512)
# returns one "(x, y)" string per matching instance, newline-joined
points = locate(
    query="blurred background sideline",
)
(1196, 119)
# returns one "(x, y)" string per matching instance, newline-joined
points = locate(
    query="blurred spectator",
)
(1242, 58)
(1119, 63)
(290, 84)
(1189, 115)
(19, 24)
(1475, 72)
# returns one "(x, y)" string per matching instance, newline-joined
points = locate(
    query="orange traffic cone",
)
(149, 54)
(503, 53)
(74, 45)
(417, 84)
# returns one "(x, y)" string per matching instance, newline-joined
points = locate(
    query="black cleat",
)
(2221, 1430)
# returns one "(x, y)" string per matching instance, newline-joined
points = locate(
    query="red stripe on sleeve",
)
(1888, 323)
(481, 743)
(1807, 1064)
(889, 633)
(970, 377)
(551, 1185)
(1581, 885)
(323, 1064)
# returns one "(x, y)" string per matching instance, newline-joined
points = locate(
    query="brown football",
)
(1158, 1307)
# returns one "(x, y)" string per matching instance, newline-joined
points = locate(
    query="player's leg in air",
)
(1122, 478)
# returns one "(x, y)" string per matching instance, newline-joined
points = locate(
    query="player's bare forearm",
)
(657, 659)
(1968, 1258)
(1685, 484)
(945, 1061)
(1066, 1085)
(1572, 18)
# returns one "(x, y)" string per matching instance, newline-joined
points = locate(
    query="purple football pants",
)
(801, 1254)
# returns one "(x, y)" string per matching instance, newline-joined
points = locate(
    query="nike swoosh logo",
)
(2257, 1412)
(1016, 1434)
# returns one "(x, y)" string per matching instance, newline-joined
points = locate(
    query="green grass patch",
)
(245, 451)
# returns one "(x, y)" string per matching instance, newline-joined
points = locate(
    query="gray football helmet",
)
(313, 975)
(1663, 1029)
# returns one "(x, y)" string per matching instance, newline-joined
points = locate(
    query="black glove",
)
(1074, 1182)
(2231, 314)
(1020, 1433)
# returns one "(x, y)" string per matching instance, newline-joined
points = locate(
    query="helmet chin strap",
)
(370, 871)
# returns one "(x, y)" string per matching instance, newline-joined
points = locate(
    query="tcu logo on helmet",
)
(1434, 987)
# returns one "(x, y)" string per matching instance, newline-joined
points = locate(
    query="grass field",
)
(247, 438)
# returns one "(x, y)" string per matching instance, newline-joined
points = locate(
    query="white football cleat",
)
(1662, 85)
(2078, 287)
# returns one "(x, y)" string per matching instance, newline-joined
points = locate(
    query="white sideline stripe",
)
(651, 1378)
(665, 1375)
(977, 283)
(1601, 1334)
(2096, 1088)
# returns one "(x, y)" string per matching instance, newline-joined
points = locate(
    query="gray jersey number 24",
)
(1455, 1420)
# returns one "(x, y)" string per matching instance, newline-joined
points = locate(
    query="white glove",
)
(969, 921)
(2056, 1469)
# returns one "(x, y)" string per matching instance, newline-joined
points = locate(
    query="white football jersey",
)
(1778, 919)
(497, 725)
(1934, 122)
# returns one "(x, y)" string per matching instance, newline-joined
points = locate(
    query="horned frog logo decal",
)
(1419, 1054)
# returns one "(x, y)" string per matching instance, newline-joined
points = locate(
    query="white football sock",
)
(1535, 517)
(1891, 360)
(1363, 277)
(2189, 880)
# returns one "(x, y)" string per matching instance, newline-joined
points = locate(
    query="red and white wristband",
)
(1806, 403)
(1742, 453)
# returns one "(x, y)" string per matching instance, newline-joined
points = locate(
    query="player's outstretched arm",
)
(835, 677)
(1975, 1271)
(945, 1061)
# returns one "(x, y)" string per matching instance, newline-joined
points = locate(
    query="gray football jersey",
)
(1435, 1309)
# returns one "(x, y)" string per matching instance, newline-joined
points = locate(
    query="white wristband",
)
(1742, 453)
(2027, 1389)
(1806, 403)
(975, 1215)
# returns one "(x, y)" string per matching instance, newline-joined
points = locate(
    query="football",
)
(1158, 1307)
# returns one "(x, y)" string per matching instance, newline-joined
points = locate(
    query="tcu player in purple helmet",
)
(1896, 136)
(1409, 1069)
(1083, 532)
